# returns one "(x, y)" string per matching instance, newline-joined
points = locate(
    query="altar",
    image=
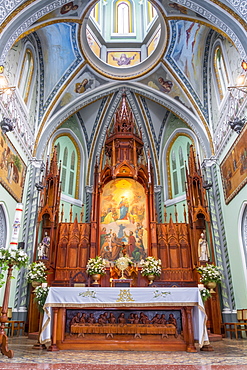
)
(147, 318)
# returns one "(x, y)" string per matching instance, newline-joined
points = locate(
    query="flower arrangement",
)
(210, 273)
(14, 257)
(205, 294)
(36, 272)
(96, 266)
(41, 293)
(150, 266)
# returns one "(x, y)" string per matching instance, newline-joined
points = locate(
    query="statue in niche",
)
(203, 250)
(43, 248)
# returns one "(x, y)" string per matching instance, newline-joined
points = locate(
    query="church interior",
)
(123, 226)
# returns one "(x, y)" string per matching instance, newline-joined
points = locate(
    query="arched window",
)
(177, 156)
(26, 75)
(123, 17)
(220, 72)
(151, 12)
(3, 228)
(244, 233)
(67, 154)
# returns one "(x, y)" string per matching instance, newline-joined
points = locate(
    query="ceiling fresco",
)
(176, 81)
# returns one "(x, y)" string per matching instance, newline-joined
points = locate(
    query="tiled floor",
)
(228, 354)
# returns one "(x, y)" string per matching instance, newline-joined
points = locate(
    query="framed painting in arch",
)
(234, 167)
(12, 169)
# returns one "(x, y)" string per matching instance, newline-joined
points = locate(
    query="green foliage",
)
(205, 294)
(9, 257)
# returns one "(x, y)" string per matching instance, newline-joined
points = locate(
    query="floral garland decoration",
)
(151, 266)
(36, 272)
(210, 273)
(41, 293)
(96, 266)
(11, 257)
(205, 294)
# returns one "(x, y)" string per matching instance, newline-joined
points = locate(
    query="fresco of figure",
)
(123, 208)
(123, 60)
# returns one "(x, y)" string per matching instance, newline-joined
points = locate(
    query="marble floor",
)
(228, 354)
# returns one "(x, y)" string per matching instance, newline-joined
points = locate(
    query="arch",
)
(3, 226)
(115, 88)
(220, 71)
(26, 75)
(177, 154)
(164, 158)
(242, 225)
(227, 24)
(69, 155)
(123, 17)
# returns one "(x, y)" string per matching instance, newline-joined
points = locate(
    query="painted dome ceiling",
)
(160, 55)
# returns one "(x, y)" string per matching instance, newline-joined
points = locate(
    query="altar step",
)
(34, 335)
(214, 337)
(123, 343)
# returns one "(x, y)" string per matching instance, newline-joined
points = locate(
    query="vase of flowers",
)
(210, 276)
(36, 274)
(11, 258)
(96, 268)
(151, 267)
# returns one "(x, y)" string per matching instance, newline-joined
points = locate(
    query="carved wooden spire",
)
(124, 121)
(124, 146)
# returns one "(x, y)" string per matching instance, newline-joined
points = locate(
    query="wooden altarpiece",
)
(123, 220)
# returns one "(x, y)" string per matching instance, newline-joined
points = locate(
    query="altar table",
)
(124, 298)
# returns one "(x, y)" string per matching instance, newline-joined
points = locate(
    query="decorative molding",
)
(71, 200)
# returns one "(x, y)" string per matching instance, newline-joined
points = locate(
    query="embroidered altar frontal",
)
(124, 318)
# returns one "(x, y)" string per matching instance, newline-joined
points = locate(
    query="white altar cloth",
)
(81, 297)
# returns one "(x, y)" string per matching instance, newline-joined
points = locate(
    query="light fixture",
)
(237, 124)
(241, 80)
(4, 87)
(207, 185)
(6, 125)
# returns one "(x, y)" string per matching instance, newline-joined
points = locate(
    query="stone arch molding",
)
(163, 163)
(115, 91)
(3, 226)
(82, 152)
(219, 18)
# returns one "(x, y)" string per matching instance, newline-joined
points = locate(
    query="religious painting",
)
(123, 58)
(153, 43)
(234, 167)
(188, 52)
(71, 9)
(93, 44)
(12, 169)
(123, 224)
(163, 81)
